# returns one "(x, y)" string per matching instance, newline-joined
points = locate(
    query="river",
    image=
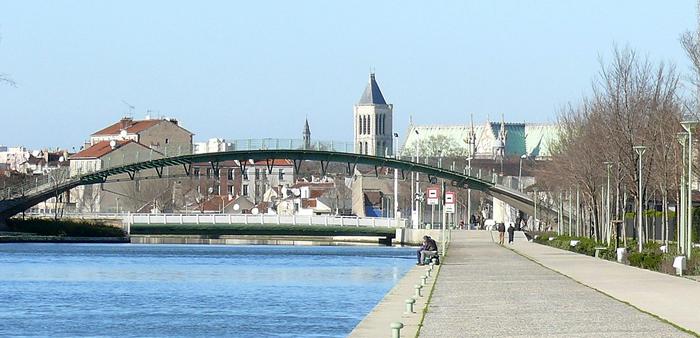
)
(68, 290)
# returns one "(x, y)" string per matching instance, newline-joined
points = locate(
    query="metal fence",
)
(323, 220)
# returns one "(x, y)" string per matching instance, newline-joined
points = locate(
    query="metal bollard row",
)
(409, 302)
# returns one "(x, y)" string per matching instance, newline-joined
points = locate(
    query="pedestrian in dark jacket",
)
(511, 233)
(428, 249)
(501, 233)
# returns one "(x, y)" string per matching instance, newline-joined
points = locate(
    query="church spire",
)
(372, 93)
(306, 134)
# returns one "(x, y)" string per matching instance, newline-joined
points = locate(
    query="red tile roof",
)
(276, 163)
(132, 127)
(308, 203)
(100, 149)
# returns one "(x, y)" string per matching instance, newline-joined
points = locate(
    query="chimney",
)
(126, 122)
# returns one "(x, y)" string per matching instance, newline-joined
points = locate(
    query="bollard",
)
(418, 291)
(422, 280)
(409, 306)
(396, 329)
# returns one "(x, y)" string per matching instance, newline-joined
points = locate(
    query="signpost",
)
(450, 202)
(433, 200)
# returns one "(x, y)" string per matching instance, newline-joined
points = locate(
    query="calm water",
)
(183, 290)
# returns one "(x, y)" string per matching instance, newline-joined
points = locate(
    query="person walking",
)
(501, 233)
(511, 233)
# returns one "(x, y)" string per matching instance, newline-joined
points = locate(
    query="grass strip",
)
(432, 289)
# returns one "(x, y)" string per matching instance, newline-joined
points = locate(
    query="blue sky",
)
(257, 68)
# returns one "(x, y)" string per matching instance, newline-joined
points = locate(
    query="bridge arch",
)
(456, 179)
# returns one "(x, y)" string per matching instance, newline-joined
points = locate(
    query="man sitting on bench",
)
(427, 250)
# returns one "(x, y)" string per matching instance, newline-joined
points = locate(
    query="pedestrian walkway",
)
(671, 298)
(485, 290)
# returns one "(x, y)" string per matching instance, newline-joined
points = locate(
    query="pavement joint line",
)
(601, 292)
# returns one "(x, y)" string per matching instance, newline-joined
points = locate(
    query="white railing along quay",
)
(261, 219)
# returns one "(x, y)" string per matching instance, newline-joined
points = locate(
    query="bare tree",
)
(5, 78)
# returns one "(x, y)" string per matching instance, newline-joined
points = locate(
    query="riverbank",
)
(21, 237)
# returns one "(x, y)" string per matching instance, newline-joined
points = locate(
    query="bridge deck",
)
(490, 291)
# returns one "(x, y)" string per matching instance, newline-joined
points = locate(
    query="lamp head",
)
(640, 149)
(689, 121)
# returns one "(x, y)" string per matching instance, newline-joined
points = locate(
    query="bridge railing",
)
(261, 219)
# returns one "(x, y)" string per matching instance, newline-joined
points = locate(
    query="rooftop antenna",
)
(131, 108)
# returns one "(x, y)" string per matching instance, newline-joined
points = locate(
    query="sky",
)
(254, 69)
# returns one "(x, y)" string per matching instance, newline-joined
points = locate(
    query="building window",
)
(196, 172)
(257, 174)
(167, 141)
(208, 172)
(244, 174)
(245, 190)
(229, 189)
(280, 174)
(360, 147)
(230, 175)
(369, 124)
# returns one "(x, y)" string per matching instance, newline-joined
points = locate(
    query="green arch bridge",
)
(30, 197)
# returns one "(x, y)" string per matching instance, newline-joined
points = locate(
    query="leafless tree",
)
(633, 103)
(5, 78)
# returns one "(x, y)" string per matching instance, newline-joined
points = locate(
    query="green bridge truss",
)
(519, 200)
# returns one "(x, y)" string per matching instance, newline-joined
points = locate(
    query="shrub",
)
(46, 227)
(646, 260)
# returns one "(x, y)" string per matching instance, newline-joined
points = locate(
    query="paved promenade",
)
(672, 298)
(485, 290)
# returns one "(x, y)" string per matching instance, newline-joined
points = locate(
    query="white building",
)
(12, 157)
(489, 140)
(212, 145)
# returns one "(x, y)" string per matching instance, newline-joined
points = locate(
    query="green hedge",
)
(272, 229)
(46, 227)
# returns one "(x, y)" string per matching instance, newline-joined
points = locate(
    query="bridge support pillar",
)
(503, 212)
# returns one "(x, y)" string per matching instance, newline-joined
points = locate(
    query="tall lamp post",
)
(520, 172)
(608, 229)
(469, 191)
(396, 180)
(417, 202)
(680, 229)
(688, 125)
(640, 151)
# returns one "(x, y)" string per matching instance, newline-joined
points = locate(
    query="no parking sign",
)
(450, 202)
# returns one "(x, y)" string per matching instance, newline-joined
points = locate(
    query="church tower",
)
(373, 122)
(306, 135)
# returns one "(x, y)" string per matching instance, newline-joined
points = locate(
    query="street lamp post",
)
(688, 125)
(608, 229)
(640, 151)
(396, 181)
(469, 191)
(417, 205)
(520, 172)
(534, 217)
(680, 229)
